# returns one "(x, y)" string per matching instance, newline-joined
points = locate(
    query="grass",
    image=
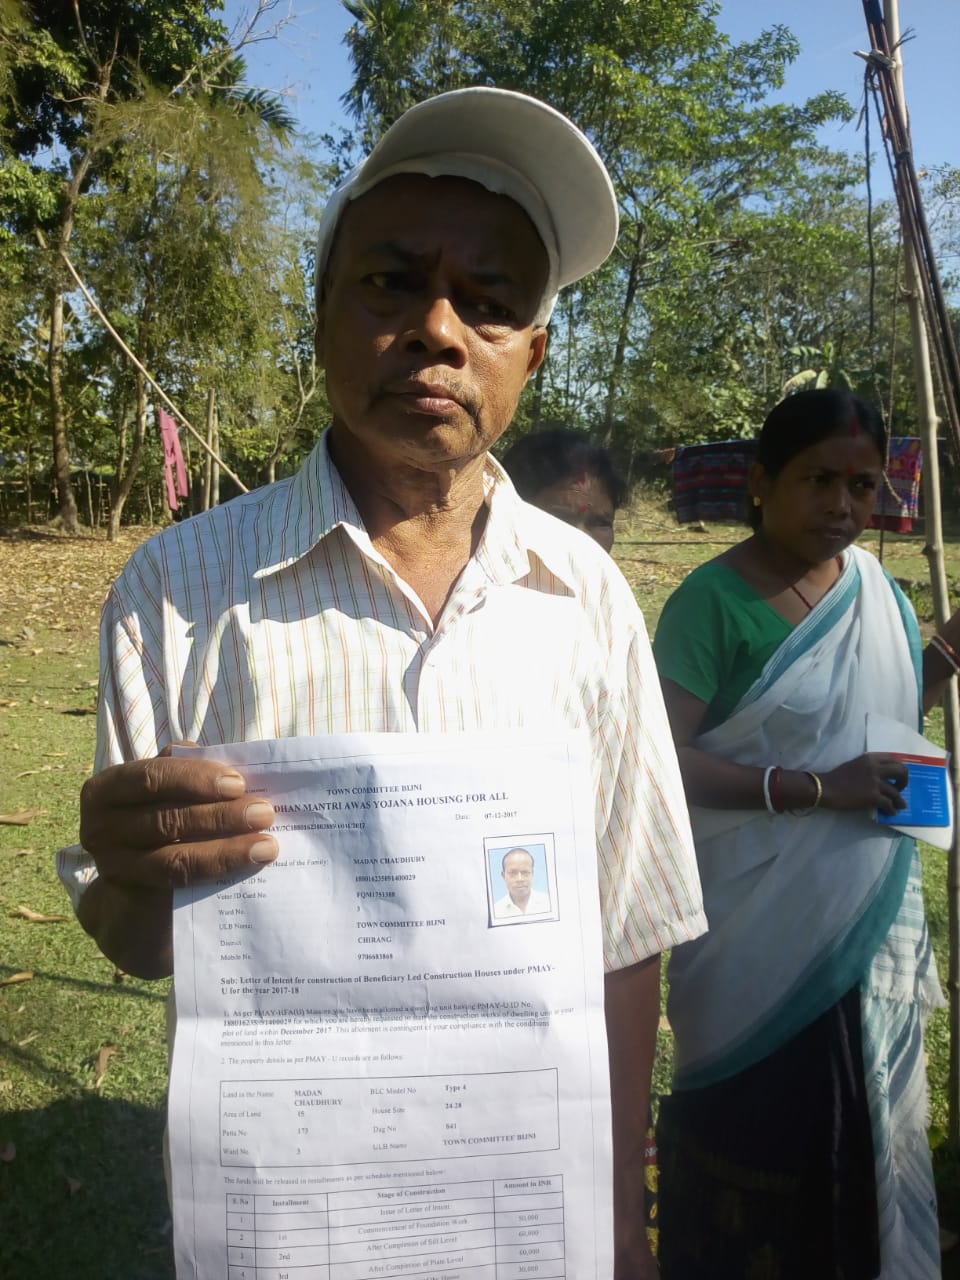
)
(82, 1052)
(82, 1058)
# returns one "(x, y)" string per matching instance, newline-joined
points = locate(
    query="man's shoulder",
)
(573, 556)
(208, 539)
(591, 575)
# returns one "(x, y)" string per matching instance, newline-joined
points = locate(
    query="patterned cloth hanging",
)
(175, 471)
(710, 483)
(898, 503)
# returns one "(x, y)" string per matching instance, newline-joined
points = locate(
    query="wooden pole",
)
(208, 460)
(214, 468)
(933, 550)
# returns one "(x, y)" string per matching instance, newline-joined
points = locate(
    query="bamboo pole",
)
(933, 550)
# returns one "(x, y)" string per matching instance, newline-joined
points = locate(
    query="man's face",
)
(582, 501)
(425, 328)
(518, 877)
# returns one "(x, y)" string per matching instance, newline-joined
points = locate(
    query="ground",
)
(83, 1060)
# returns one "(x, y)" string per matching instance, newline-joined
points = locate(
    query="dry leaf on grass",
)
(6, 1086)
(21, 817)
(101, 1062)
(28, 1039)
(8, 1151)
(73, 1184)
(25, 976)
(37, 917)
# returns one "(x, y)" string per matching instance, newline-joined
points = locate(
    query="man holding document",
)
(396, 585)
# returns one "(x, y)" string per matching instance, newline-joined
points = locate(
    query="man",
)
(521, 899)
(397, 583)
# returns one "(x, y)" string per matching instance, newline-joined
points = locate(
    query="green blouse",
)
(715, 636)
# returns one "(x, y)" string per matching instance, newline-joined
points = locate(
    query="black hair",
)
(805, 419)
(544, 458)
(511, 852)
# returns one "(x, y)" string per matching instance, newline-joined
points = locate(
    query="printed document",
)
(390, 1057)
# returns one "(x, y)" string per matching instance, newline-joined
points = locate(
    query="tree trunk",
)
(58, 412)
(536, 407)
(126, 475)
(66, 498)
(30, 461)
(620, 350)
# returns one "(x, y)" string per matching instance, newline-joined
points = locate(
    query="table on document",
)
(498, 1229)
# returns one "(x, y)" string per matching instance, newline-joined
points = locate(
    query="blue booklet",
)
(927, 794)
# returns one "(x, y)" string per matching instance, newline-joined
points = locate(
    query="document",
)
(390, 1056)
(929, 790)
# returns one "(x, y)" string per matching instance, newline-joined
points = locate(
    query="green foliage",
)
(182, 198)
(741, 238)
(129, 138)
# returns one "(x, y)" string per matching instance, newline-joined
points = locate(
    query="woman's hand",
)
(871, 781)
(937, 667)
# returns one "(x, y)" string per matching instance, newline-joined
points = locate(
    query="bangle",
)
(946, 651)
(776, 790)
(802, 813)
(766, 789)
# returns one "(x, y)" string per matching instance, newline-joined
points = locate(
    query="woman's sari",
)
(803, 909)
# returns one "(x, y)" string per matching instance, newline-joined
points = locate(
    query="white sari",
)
(804, 908)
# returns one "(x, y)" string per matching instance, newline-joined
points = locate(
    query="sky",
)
(308, 63)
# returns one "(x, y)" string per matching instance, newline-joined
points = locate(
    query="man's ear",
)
(538, 350)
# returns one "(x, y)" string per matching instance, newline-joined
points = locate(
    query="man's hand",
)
(155, 825)
(632, 1007)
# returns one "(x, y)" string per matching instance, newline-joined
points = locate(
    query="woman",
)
(794, 1143)
(563, 473)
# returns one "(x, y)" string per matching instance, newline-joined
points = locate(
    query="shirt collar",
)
(300, 513)
(515, 531)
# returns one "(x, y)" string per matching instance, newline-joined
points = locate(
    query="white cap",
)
(513, 145)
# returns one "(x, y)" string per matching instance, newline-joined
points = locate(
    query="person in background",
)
(794, 1142)
(564, 473)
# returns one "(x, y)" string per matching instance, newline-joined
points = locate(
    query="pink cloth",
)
(176, 472)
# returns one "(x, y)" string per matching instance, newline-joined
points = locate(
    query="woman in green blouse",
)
(793, 1146)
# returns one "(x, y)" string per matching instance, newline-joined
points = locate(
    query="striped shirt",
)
(275, 616)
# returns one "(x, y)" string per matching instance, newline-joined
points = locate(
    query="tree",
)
(680, 116)
(81, 82)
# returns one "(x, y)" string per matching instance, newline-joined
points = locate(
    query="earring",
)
(756, 501)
